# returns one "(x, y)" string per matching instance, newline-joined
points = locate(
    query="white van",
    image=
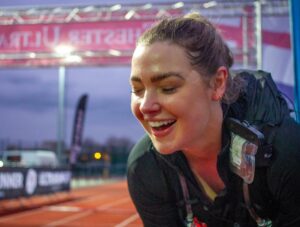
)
(29, 158)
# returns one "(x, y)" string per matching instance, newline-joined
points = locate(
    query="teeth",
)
(156, 124)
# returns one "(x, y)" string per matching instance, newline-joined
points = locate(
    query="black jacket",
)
(156, 192)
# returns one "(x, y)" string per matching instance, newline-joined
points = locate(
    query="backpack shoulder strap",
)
(260, 221)
(263, 160)
(186, 197)
(184, 200)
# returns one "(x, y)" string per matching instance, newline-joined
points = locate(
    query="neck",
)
(202, 157)
(206, 168)
(207, 149)
(209, 145)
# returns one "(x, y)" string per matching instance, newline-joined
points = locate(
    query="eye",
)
(168, 90)
(137, 88)
(137, 92)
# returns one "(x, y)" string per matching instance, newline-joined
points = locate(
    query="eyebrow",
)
(159, 77)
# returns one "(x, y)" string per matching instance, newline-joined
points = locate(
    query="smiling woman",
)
(181, 172)
(164, 85)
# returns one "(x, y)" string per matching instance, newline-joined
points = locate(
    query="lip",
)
(162, 133)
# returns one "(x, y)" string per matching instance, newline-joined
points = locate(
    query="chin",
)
(164, 149)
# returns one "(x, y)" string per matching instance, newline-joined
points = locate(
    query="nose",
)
(149, 103)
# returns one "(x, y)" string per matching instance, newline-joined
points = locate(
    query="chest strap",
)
(186, 197)
(185, 191)
(260, 222)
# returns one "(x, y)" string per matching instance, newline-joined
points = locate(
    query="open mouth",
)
(161, 125)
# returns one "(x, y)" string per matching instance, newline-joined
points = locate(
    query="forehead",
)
(159, 57)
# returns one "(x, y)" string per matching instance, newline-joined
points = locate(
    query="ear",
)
(219, 82)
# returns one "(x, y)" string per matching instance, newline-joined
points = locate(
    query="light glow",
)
(64, 50)
(129, 14)
(114, 52)
(89, 9)
(32, 55)
(147, 6)
(178, 5)
(73, 59)
(209, 4)
(115, 7)
(97, 155)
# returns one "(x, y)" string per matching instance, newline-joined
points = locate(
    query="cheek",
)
(193, 110)
(135, 109)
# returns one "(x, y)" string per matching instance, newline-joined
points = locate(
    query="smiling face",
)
(170, 99)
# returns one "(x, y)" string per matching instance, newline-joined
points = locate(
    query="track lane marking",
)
(42, 209)
(85, 213)
(127, 221)
(64, 208)
(20, 215)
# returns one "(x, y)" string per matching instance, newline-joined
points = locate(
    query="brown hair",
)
(204, 46)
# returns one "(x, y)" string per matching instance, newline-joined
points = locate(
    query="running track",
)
(106, 205)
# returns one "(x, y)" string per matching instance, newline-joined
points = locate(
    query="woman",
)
(182, 93)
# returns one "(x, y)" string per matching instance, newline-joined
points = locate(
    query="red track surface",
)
(106, 205)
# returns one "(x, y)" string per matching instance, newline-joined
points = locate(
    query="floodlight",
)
(115, 7)
(64, 50)
(178, 5)
(209, 4)
(129, 14)
(116, 53)
(97, 155)
(73, 59)
(147, 6)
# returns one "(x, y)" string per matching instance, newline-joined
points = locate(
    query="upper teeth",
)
(159, 123)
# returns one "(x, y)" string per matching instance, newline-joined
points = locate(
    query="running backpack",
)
(266, 108)
(265, 103)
